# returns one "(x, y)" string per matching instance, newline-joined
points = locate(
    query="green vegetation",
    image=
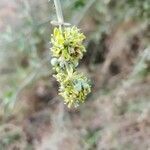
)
(115, 56)
(67, 50)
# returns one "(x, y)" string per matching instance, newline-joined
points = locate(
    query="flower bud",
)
(54, 61)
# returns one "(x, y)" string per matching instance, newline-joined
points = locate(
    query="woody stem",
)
(59, 11)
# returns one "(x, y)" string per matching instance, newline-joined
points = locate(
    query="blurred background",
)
(115, 116)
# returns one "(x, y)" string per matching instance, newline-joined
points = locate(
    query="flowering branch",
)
(67, 50)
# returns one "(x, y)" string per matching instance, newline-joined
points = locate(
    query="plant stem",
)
(59, 11)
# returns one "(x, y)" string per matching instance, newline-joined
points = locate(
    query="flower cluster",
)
(67, 50)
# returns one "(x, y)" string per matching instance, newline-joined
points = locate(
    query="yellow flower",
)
(67, 49)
